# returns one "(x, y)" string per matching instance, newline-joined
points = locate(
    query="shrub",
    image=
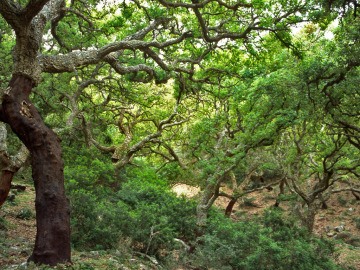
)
(269, 243)
(342, 201)
(92, 222)
(3, 225)
(250, 202)
(142, 205)
(25, 213)
(150, 206)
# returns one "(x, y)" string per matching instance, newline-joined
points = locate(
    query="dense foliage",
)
(148, 94)
(145, 212)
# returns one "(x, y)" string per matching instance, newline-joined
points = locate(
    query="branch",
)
(9, 10)
(31, 10)
(68, 62)
(195, 4)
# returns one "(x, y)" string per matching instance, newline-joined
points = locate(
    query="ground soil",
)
(21, 228)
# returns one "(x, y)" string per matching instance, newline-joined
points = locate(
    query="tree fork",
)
(52, 244)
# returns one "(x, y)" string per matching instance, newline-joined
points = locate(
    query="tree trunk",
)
(230, 207)
(310, 218)
(355, 195)
(5, 184)
(52, 244)
(281, 186)
(208, 196)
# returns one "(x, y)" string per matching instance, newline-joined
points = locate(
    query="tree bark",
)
(52, 244)
(310, 218)
(230, 207)
(5, 184)
(282, 191)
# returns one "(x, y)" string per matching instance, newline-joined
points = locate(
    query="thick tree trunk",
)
(5, 185)
(52, 244)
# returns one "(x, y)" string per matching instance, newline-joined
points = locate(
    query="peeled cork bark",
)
(52, 244)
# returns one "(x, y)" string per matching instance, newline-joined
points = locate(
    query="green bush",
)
(357, 222)
(3, 225)
(92, 222)
(25, 213)
(88, 169)
(132, 212)
(342, 201)
(250, 202)
(150, 206)
(101, 216)
(269, 243)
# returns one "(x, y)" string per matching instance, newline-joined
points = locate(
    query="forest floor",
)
(21, 229)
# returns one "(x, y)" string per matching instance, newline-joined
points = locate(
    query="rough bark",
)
(52, 244)
(207, 199)
(310, 217)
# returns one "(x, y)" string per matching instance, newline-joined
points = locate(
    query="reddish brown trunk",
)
(52, 244)
(355, 195)
(230, 207)
(5, 184)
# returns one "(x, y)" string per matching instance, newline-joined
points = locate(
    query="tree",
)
(313, 160)
(164, 42)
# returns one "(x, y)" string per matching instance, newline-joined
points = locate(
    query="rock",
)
(343, 235)
(13, 250)
(354, 241)
(122, 267)
(18, 187)
(11, 197)
(26, 252)
(331, 234)
(341, 227)
(321, 218)
(329, 228)
(351, 209)
(24, 265)
(142, 267)
(94, 253)
(14, 266)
